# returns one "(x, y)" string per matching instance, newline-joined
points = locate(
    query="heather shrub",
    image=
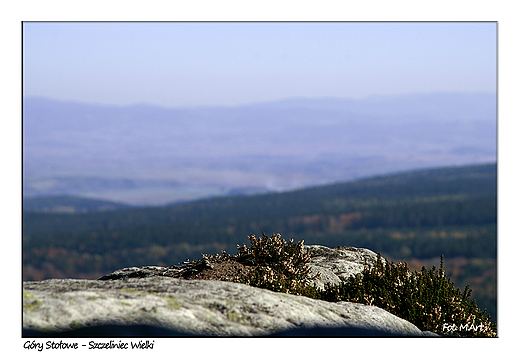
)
(278, 265)
(428, 299)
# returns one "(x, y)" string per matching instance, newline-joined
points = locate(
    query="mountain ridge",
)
(69, 204)
(46, 203)
(179, 154)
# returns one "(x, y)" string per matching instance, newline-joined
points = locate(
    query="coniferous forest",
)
(414, 217)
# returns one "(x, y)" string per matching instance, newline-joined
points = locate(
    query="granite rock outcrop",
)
(327, 266)
(160, 301)
(195, 307)
(337, 264)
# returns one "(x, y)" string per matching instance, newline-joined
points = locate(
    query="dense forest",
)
(413, 216)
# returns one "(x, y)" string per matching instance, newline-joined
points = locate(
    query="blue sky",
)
(220, 63)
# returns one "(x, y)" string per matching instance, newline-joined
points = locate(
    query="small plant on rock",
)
(278, 265)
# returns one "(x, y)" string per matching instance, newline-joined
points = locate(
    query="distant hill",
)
(150, 155)
(69, 204)
(330, 215)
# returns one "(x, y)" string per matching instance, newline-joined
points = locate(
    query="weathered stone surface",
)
(143, 272)
(337, 264)
(334, 265)
(196, 307)
(156, 301)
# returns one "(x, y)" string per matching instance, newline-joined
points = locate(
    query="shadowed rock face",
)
(195, 307)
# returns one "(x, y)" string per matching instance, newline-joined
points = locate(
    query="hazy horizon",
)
(146, 154)
(180, 64)
(259, 102)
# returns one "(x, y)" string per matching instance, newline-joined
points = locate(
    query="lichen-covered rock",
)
(336, 265)
(327, 266)
(196, 307)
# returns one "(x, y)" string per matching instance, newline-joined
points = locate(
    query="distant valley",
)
(148, 155)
